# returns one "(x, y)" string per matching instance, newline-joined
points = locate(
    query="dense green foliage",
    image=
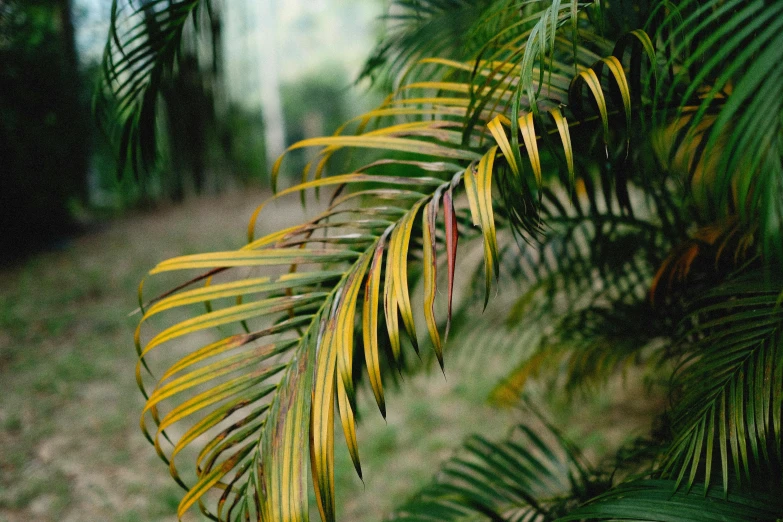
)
(618, 164)
(44, 124)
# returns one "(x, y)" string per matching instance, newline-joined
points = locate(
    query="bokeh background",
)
(76, 237)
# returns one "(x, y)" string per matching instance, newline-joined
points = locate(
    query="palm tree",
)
(618, 164)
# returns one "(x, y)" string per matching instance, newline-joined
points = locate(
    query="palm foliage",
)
(141, 54)
(627, 178)
(524, 477)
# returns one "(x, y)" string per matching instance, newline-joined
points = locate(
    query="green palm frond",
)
(586, 278)
(726, 59)
(533, 474)
(141, 53)
(727, 419)
(656, 501)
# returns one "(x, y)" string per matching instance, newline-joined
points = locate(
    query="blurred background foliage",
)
(44, 123)
(230, 105)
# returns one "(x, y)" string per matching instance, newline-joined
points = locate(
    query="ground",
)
(70, 444)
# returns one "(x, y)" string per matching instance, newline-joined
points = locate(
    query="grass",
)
(70, 446)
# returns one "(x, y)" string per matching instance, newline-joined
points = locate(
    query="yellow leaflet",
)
(344, 324)
(441, 86)
(205, 483)
(234, 341)
(221, 346)
(484, 203)
(503, 119)
(528, 130)
(390, 310)
(398, 255)
(237, 288)
(430, 273)
(377, 142)
(322, 427)
(565, 136)
(205, 374)
(616, 68)
(269, 238)
(216, 394)
(496, 128)
(416, 128)
(485, 66)
(277, 256)
(589, 77)
(403, 128)
(470, 190)
(230, 315)
(332, 180)
(349, 426)
(434, 100)
(410, 111)
(370, 325)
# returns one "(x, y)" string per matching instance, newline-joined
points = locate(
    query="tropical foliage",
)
(153, 60)
(44, 139)
(617, 163)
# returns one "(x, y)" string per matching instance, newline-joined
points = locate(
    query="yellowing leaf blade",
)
(398, 256)
(370, 325)
(496, 128)
(430, 266)
(565, 137)
(527, 128)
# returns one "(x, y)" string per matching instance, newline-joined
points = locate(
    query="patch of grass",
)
(51, 489)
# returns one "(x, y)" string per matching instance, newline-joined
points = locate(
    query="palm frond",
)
(530, 475)
(726, 60)
(656, 501)
(727, 419)
(141, 53)
(298, 325)
(261, 397)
